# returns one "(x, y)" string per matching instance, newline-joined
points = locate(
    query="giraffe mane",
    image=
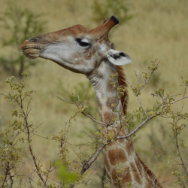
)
(123, 85)
(124, 100)
(150, 173)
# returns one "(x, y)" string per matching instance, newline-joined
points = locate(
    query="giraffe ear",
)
(118, 58)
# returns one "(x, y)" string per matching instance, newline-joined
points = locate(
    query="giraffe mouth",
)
(32, 49)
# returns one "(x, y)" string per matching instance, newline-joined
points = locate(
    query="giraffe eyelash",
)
(83, 42)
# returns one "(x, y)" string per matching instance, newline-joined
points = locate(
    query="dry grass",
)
(157, 30)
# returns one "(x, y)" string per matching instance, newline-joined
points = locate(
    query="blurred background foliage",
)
(148, 30)
(19, 24)
(102, 10)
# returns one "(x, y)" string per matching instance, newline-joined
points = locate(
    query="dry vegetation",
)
(158, 30)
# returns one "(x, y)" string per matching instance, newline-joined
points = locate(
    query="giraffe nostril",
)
(33, 39)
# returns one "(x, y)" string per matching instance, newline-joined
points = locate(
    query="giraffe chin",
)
(32, 53)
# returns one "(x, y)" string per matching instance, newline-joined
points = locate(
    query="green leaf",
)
(65, 175)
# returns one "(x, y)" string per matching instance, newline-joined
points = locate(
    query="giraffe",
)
(89, 52)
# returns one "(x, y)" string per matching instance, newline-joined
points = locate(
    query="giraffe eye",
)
(83, 42)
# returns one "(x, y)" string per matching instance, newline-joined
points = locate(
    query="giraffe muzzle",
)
(32, 48)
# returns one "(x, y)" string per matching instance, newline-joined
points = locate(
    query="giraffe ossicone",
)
(90, 52)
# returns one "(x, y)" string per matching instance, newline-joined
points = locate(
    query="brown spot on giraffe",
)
(121, 140)
(110, 85)
(112, 102)
(116, 156)
(108, 117)
(126, 178)
(116, 178)
(135, 173)
(121, 177)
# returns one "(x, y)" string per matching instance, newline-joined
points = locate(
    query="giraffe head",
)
(77, 48)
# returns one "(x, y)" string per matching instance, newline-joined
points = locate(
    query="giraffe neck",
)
(104, 81)
(123, 166)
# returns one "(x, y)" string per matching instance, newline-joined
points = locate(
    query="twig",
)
(48, 172)
(92, 118)
(62, 99)
(83, 112)
(27, 126)
(138, 99)
(185, 91)
(137, 128)
(147, 80)
(184, 97)
(11, 180)
(30, 182)
(88, 163)
(6, 174)
(179, 152)
(148, 119)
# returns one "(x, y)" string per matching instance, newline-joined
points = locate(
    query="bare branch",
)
(8, 174)
(182, 98)
(148, 119)
(11, 179)
(137, 128)
(7, 169)
(138, 99)
(88, 163)
(47, 173)
(92, 118)
(62, 99)
(83, 112)
(27, 126)
(185, 91)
